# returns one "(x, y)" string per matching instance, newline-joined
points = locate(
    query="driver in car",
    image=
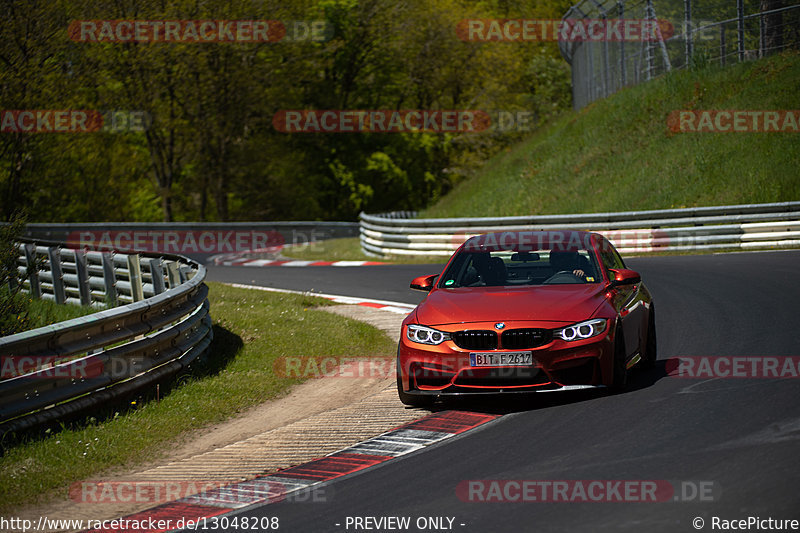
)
(570, 262)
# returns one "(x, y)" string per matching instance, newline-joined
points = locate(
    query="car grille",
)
(475, 339)
(518, 339)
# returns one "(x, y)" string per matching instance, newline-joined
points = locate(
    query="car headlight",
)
(425, 335)
(582, 330)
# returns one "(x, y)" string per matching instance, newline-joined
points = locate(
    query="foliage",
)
(13, 304)
(211, 152)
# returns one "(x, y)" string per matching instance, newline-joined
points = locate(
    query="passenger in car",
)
(491, 270)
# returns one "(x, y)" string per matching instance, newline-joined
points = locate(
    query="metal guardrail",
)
(289, 232)
(85, 362)
(752, 226)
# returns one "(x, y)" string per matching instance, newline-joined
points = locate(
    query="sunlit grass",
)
(618, 154)
(47, 312)
(349, 249)
(252, 329)
(21, 312)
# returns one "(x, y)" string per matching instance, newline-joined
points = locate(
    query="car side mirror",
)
(623, 276)
(423, 283)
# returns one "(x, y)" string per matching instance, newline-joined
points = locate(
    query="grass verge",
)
(618, 153)
(20, 312)
(349, 249)
(251, 329)
(46, 312)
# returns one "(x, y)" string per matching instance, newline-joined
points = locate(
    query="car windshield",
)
(507, 267)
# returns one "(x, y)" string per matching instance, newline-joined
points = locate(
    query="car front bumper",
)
(559, 365)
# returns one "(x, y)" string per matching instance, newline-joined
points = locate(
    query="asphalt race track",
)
(736, 439)
(384, 282)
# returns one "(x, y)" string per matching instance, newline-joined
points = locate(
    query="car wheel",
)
(410, 399)
(650, 349)
(620, 375)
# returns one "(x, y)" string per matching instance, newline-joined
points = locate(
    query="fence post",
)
(54, 256)
(761, 37)
(32, 270)
(604, 16)
(651, 15)
(722, 48)
(83, 277)
(621, 8)
(109, 278)
(135, 277)
(740, 27)
(687, 29)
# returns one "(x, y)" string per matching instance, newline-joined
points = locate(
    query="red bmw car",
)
(526, 311)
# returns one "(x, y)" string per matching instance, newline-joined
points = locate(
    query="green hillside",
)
(619, 154)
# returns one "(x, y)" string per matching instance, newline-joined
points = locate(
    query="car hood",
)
(555, 303)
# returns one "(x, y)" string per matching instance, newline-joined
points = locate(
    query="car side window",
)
(610, 257)
(618, 259)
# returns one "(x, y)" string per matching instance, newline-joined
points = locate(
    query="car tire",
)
(411, 400)
(620, 370)
(651, 346)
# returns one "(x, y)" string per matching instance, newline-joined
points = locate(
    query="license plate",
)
(501, 358)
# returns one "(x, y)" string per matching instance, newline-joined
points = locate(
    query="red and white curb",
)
(241, 259)
(295, 263)
(383, 305)
(275, 487)
(290, 263)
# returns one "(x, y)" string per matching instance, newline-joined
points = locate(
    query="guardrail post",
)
(173, 276)
(109, 278)
(157, 273)
(54, 256)
(83, 277)
(32, 271)
(135, 274)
